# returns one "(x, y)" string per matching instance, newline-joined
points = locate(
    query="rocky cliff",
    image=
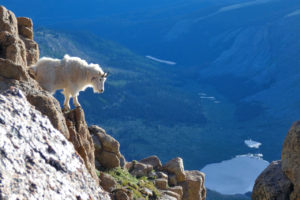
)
(48, 154)
(281, 179)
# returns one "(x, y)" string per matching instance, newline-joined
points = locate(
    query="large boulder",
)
(290, 157)
(139, 169)
(272, 184)
(107, 160)
(104, 141)
(107, 149)
(161, 183)
(178, 190)
(122, 194)
(166, 196)
(152, 160)
(37, 161)
(107, 182)
(81, 138)
(193, 186)
(10, 70)
(175, 166)
(171, 194)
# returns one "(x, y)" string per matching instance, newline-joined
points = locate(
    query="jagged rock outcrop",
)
(107, 149)
(13, 73)
(272, 184)
(25, 27)
(37, 162)
(81, 138)
(13, 62)
(281, 179)
(11, 46)
(16, 39)
(186, 185)
(290, 158)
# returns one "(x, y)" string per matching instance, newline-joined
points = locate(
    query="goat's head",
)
(98, 82)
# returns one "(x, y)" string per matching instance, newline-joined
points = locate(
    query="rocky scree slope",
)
(47, 154)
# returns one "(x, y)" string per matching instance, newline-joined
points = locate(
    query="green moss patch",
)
(136, 185)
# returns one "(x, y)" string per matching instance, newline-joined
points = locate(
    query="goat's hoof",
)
(66, 109)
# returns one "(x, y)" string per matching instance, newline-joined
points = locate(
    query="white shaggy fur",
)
(71, 74)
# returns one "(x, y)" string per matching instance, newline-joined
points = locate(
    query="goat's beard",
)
(97, 91)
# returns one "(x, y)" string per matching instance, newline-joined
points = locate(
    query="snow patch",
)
(161, 61)
(252, 144)
(235, 176)
(292, 14)
(242, 5)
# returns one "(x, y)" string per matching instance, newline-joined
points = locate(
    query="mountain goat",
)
(71, 74)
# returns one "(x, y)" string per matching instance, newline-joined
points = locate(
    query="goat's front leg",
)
(75, 101)
(66, 102)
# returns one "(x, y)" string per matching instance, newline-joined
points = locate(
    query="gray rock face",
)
(272, 184)
(37, 162)
(290, 157)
